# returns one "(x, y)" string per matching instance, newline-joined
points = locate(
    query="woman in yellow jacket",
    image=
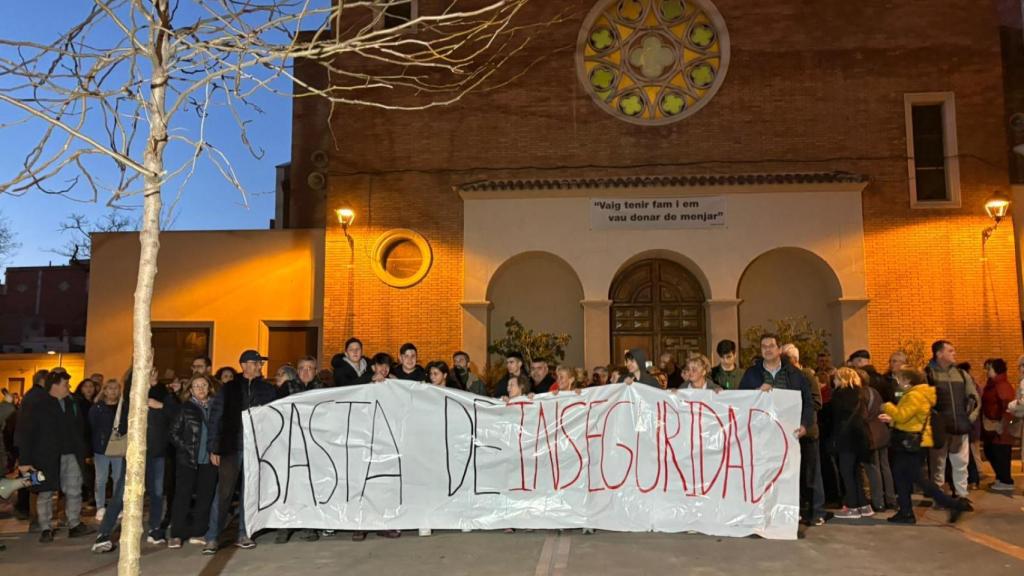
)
(911, 439)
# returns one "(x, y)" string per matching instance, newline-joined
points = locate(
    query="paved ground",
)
(989, 541)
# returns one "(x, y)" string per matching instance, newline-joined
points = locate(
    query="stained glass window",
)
(653, 61)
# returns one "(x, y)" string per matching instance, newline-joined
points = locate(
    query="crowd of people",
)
(866, 438)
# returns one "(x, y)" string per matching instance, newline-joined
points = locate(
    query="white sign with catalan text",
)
(657, 213)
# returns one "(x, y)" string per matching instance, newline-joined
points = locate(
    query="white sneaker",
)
(102, 545)
(1002, 487)
(99, 514)
(464, 530)
(424, 531)
(866, 511)
(197, 541)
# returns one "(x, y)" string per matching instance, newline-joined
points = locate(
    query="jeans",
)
(854, 496)
(873, 470)
(958, 450)
(907, 471)
(1000, 457)
(89, 481)
(885, 465)
(812, 488)
(155, 489)
(212, 529)
(105, 465)
(187, 519)
(973, 457)
(829, 474)
(230, 470)
(170, 475)
(71, 485)
(114, 506)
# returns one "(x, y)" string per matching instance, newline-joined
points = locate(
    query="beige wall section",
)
(826, 222)
(543, 292)
(235, 280)
(23, 366)
(789, 283)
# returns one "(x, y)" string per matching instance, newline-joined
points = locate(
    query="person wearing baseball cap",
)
(224, 444)
(859, 359)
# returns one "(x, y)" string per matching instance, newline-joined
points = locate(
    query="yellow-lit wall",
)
(238, 281)
(14, 366)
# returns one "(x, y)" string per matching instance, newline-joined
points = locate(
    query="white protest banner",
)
(655, 213)
(399, 455)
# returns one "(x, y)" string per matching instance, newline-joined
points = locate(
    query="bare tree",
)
(8, 243)
(135, 79)
(79, 229)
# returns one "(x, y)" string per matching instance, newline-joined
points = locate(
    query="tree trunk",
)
(149, 238)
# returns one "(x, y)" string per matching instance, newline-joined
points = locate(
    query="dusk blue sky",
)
(208, 201)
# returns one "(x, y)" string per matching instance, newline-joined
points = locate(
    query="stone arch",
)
(542, 291)
(673, 256)
(658, 304)
(791, 282)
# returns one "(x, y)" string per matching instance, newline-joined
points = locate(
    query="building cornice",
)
(699, 184)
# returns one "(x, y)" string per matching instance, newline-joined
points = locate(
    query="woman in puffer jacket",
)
(911, 421)
(196, 477)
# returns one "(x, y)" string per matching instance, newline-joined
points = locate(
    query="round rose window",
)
(652, 61)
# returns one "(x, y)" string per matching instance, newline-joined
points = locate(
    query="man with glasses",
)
(307, 369)
(247, 390)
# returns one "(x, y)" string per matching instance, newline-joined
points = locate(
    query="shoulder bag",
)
(117, 445)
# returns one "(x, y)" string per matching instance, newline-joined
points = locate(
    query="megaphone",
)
(9, 486)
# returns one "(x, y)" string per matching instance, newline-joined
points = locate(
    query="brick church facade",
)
(822, 91)
(853, 145)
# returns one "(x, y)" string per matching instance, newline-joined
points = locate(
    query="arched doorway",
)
(657, 306)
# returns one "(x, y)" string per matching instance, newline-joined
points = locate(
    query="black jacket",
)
(674, 379)
(346, 375)
(755, 376)
(186, 434)
(850, 428)
(51, 432)
(418, 374)
(501, 388)
(958, 403)
(542, 386)
(84, 405)
(888, 388)
(885, 387)
(101, 422)
(157, 421)
(235, 397)
(290, 387)
(641, 361)
(21, 431)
